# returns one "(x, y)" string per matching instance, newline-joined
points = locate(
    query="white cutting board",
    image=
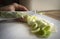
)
(14, 30)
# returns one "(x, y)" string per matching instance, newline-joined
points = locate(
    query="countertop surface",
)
(53, 13)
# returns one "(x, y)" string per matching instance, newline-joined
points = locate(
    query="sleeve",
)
(6, 2)
(1, 3)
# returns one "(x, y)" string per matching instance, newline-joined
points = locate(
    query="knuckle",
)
(11, 8)
(15, 4)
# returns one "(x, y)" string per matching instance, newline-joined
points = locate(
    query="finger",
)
(21, 8)
(12, 9)
(7, 8)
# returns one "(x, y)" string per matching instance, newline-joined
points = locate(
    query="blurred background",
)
(51, 7)
(36, 4)
(41, 4)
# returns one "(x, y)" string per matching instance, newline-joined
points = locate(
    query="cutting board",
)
(17, 30)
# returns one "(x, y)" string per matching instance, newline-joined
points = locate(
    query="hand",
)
(13, 7)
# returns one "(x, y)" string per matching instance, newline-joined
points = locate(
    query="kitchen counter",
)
(53, 13)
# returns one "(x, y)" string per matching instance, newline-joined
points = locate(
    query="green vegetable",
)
(35, 30)
(40, 28)
(47, 28)
(7, 14)
(11, 14)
